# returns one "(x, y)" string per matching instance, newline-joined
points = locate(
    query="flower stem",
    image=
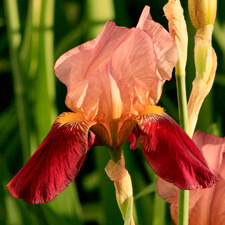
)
(115, 154)
(183, 207)
(182, 101)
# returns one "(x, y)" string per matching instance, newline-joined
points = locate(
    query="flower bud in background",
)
(178, 30)
(202, 14)
(203, 51)
(199, 91)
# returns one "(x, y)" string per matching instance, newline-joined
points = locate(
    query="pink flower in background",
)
(113, 83)
(206, 207)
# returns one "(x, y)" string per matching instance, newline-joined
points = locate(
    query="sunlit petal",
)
(133, 66)
(165, 48)
(99, 73)
(77, 66)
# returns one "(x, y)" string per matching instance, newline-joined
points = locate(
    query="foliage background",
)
(32, 37)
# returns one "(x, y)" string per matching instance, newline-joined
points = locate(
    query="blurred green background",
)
(33, 34)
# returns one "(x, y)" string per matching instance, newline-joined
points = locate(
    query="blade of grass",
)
(148, 190)
(31, 38)
(159, 212)
(14, 38)
(45, 108)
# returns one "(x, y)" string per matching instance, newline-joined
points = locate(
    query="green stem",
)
(14, 37)
(182, 101)
(115, 154)
(183, 208)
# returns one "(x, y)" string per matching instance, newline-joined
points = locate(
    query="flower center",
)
(114, 133)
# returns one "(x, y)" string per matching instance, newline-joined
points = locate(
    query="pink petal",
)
(210, 207)
(170, 194)
(218, 203)
(172, 154)
(99, 73)
(208, 204)
(85, 60)
(156, 90)
(133, 67)
(77, 66)
(200, 214)
(222, 167)
(55, 163)
(165, 48)
(166, 190)
(207, 142)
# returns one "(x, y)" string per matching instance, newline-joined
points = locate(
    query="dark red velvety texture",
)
(54, 164)
(172, 154)
(132, 138)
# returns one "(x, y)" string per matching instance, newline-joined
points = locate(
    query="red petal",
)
(55, 163)
(133, 138)
(172, 154)
(93, 140)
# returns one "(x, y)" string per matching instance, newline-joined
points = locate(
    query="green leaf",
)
(149, 189)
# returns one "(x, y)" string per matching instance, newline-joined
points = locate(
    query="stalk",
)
(183, 208)
(178, 30)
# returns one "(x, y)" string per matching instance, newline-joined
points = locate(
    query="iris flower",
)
(206, 207)
(113, 83)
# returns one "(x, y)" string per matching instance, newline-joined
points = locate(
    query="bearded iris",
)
(113, 85)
